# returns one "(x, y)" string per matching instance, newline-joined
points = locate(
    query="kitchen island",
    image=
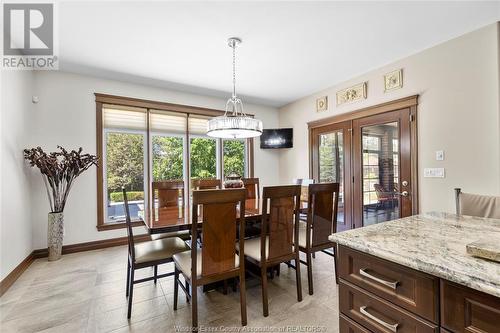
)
(414, 275)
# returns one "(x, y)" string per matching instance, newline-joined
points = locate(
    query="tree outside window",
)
(234, 157)
(203, 153)
(124, 167)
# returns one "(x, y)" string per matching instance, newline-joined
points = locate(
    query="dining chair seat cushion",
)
(183, 234)
(159, 249)
(252, 248)
(183, 262)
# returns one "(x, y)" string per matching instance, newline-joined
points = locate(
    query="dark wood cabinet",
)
(410, 289)
(467, 310)
(377, 295)
(379, 315)
(350, 326)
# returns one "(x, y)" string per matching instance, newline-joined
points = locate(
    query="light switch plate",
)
(439, 155)
(434, 172)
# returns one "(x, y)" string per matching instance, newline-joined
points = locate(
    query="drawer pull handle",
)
(392, 327)
(392, 285)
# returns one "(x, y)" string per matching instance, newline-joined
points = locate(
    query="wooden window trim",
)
(365, 112)
(102, 99)
(119, 225)
(148, 104)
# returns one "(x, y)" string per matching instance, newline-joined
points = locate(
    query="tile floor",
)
(85, 292)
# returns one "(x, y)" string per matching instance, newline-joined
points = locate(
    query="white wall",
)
(65, 115)
(15, 218)
(458, 112)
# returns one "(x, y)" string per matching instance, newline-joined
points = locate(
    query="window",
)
(203, 150)
(140, 141)
(167, 132)
(234, 160)
(124, 133)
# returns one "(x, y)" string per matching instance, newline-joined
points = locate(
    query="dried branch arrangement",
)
(59, 170)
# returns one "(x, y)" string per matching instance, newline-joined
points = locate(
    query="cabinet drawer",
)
(412, 290)
(467, 310)
(378, 315)
(349, 326)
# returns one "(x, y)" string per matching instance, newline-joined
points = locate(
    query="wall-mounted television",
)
(276, 138)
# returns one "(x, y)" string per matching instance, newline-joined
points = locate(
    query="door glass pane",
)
(380, 173)
(124, 167)
(331, 166)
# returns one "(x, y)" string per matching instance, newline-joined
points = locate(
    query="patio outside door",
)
(382, 168)
(372, 158)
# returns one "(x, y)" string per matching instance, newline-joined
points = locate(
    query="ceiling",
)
(290, 49)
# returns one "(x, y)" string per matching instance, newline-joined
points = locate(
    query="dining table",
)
(176, 218)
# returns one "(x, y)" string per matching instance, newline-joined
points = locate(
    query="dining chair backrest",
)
(322, 213)
(130, 234)
(280, 220)
(169, 193)
(206, 184)
(252, 187)
(477, 205)
(220, 215)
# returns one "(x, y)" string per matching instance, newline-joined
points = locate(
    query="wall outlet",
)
(434, 172)
(439, 155)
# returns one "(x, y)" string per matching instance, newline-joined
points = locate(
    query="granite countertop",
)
(434, 243)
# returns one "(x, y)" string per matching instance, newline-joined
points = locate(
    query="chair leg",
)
(243, 300)
(297, 275)
(278, 270)
(156, 273)
(128, 278)
(314, 255)
(131, 293)
(194, 306)
(335, 265)
(309, 272)
(265, 305)
(176, 286)
(224, 288)
(188, 292)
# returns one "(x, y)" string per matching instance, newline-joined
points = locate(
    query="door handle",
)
(391, 327)
(403, 194)
(390, 284)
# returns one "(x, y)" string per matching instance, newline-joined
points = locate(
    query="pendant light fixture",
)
(234, 124)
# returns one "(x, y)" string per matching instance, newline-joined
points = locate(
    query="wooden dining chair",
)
(321, 222)
(147, 254)
(170, 197)
(252, 187)
(278, 242)
(206, 184)
(217, 259)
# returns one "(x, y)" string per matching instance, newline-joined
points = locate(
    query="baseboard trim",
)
(9, 280)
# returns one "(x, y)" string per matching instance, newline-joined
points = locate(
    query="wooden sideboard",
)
(377, 295)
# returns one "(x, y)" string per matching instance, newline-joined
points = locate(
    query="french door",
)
(373, 158)
(382, 168)
(333, 155)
